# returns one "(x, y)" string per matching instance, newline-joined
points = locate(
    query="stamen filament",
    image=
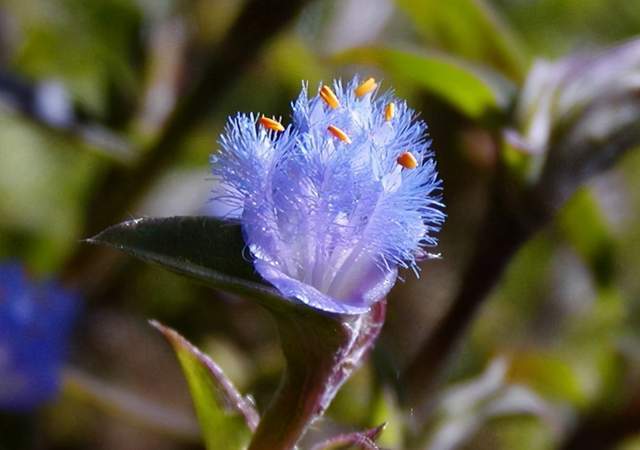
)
(407, 160)
(366, 87)
(271, 124)
(329, 97)
(337, 132)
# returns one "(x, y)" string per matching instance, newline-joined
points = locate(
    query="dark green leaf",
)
(227, 419)
(203, 248)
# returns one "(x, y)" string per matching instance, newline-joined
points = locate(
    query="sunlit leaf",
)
(385, 409)
(41, 219)
(550, 375)
(470, 90)
(227, 419)
(556, 27)
(85, 43)
(585, 228)
(470, 29)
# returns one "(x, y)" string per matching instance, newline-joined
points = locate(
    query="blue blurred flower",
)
(333, 204)
(35, 322)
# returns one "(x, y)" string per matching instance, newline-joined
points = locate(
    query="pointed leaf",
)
(201, 247)
(466, 88)
(227, 419)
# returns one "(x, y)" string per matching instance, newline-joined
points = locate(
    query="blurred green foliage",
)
(565, 315)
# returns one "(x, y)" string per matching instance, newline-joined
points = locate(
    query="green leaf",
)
(200, 247)
(469, 29)
(551, 374)
(97, 37)
(468, 89)
(585, 228)
(227, 419)
(385, 408)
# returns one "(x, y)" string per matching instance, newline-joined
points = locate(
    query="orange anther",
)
(271, 124)
(407, 160)
(389, 111)
(329, 97)
(337, 132)
(366, 87)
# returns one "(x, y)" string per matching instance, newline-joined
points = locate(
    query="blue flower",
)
(35, 322)
(334, 203)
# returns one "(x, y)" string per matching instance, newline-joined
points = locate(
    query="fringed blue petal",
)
(329, 222)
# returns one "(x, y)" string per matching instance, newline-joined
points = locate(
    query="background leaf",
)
(468, 89)
(226, 418)
(567, 311)
(471, 29)
(587, 231)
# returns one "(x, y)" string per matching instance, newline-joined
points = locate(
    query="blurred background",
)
(109, 110)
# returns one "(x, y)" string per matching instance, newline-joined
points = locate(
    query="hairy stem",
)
(297, 403)
(321, 353)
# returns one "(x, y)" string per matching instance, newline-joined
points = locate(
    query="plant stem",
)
(294, 408)
(321, 353)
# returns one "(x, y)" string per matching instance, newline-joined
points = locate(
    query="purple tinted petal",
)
(329, 222)
(363, 280)
(357, 300)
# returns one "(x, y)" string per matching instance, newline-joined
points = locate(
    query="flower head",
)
(334, 203)
(35, 321)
